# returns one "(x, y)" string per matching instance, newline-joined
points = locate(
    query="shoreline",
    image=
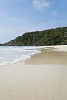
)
(54, 48)
(48, 56)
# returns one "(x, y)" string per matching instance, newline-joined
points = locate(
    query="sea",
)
(13, 54)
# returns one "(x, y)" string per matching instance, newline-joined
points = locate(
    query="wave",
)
(10, 55)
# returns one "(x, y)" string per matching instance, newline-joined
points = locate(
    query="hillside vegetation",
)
(56, 36)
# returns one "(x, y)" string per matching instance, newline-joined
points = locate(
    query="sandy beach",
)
(43, 77)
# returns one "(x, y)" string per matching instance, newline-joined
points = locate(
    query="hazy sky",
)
(20, 16)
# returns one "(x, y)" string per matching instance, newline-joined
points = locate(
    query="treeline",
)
(56, 36)
(1, 44)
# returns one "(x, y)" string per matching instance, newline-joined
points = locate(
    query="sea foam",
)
(13, 54)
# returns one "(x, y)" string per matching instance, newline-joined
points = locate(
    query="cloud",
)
(41, 4)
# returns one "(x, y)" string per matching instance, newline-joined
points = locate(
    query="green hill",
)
(57, 36)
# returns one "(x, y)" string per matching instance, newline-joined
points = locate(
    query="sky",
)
(20, 16)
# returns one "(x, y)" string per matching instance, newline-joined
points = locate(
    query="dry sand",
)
(43, 77)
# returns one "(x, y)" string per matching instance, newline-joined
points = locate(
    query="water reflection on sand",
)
(49, 57)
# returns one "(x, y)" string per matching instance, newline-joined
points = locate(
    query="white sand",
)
(39, 81)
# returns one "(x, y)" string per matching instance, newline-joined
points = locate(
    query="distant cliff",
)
(56, 36)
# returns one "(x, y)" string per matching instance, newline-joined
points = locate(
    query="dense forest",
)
(57, 36)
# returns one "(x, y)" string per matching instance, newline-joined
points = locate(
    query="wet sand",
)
(49, 57)
(43, 77)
